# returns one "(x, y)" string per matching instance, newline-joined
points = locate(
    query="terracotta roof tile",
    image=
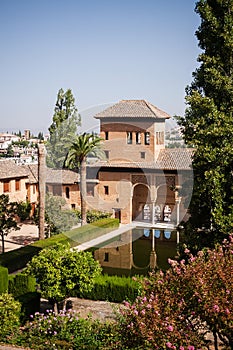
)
(9, 170)
(55, 176)
(63, 176)
(133, 109)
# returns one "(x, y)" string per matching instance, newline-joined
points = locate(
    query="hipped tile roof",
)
(133, 109)
(9, 170)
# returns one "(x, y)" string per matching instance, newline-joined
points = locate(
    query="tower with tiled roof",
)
(133, 130)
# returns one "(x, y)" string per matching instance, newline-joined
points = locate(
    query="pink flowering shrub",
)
(210, 278)
(179, 307)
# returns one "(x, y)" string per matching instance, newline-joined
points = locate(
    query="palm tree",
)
(84, 144)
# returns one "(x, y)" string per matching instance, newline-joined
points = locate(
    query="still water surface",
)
(137, 251)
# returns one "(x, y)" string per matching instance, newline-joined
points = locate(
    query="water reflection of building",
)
(140, 178)
(137, 251)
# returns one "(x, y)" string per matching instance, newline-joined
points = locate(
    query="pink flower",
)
(191, 347)
(169, 345)
(170, 328)
(216, 308)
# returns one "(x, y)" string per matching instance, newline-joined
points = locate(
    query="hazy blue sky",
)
(104, 50)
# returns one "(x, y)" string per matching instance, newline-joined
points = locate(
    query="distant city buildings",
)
(21, 148)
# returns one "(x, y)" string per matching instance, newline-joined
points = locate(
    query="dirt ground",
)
(27, 233)
(102, 310)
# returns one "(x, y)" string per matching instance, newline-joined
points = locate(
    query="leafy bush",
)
(30, 303)
(93, 215)
(57, 217)
(59, 270)
(67, 330)
(9, 316)
(3, 279)
(21, 284)
(24, 210)
(176, 305)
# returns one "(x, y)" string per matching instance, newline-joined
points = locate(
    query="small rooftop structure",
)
(133, 109)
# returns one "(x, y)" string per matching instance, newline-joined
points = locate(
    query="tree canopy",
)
(84, 145)
(8, 212)
(59, 270)
(63, 129)
(208, 125)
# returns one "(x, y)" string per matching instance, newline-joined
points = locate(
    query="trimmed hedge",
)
(21, 284)
(3, 279)
(17, 259)
(30, 304)
(112, 288)
(23, 289)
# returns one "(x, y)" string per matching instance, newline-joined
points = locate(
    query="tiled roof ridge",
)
(133, 108)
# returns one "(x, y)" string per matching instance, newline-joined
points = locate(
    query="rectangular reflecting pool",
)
(137, 251)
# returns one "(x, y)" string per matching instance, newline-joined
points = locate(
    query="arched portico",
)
(140, 200)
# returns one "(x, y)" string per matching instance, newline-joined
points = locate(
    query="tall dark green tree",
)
(208, 126)
(63, 129)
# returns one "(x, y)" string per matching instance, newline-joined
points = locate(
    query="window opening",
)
(143, 155)
(106, 257)
(106, 190)
(6, 186)
(138, 138)
(147, 138)
(17, 185)
(129, 138)
(67, 192)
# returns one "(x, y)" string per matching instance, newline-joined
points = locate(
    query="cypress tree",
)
(208, 126)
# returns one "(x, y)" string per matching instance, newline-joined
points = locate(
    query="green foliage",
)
(179, 307)
(23, 210)
(68, 331)
(23, 289)
(21, 143)
(9, 316)
(8, 211)
(21, 284)
(3, 279)
(208, 125)
(83, 145)
(59, 270)
(112, 288)
(91, 231)
(62, 130)
(18, 258)
(30, 304)
(93, 215)
(58, 219)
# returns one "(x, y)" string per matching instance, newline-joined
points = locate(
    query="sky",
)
(103, 50)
